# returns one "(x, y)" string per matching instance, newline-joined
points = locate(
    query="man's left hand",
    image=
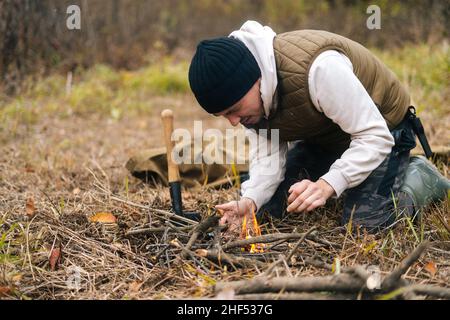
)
(308, 195)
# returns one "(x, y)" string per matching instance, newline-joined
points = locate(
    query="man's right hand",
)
(234, 211)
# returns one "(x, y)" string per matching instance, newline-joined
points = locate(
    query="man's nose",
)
(234, 120)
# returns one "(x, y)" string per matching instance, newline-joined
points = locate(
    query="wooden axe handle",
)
(167, 120)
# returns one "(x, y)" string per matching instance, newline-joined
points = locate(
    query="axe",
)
(173, 172)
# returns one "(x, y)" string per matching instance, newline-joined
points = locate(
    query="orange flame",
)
(248, 232)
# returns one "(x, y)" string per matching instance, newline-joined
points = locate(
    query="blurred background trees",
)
(126, 34)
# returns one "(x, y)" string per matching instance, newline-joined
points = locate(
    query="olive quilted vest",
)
(297, 118)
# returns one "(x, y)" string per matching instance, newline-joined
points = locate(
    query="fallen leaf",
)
(4, 291)
(17, 277)
(135, 286)
(55, 258)
(431, 268)
(30, 208)
(103, 217)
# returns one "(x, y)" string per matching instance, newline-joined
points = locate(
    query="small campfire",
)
(250, 230)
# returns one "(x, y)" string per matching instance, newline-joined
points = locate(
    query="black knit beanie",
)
(222, 71)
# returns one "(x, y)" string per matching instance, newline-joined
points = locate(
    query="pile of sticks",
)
(346, 283)
(352, 281)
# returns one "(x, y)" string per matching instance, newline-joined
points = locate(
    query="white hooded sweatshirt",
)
(335, 91)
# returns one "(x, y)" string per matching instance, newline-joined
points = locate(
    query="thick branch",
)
(432, 291)
(262, 239)
(293, 296)
(167, 214)
(200, 229)
(392, 279)
(155, 230)
(339, 283)
(225, 258)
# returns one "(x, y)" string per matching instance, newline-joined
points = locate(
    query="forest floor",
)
(62, 158)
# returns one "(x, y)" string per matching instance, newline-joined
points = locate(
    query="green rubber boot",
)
(424, 183)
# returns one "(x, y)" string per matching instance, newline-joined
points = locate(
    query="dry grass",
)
(72, 166)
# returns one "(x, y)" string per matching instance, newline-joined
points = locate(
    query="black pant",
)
(373, 204)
